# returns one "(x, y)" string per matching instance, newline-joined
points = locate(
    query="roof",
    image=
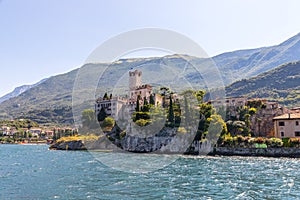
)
(288, 116)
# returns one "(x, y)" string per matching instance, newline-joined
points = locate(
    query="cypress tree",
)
(171, 112)
(152, 102)
(137, 108)
(101, 115)
(105, 96)
(145, 101)
(145, 107)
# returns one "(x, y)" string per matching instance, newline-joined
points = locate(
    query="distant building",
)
(287, 125)
(35, 131)
(5, 130)
(49, 133)
(229, 102)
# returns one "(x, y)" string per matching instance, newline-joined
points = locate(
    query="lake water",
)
(34, 172)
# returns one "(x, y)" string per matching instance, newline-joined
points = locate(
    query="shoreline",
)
(287, 152)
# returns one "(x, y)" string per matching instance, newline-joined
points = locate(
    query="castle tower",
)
(135, 79)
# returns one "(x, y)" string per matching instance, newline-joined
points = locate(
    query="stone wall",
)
(266, 152)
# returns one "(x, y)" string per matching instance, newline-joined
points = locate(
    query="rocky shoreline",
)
(139, 145)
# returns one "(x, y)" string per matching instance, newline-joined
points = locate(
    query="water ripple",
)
(33, 172)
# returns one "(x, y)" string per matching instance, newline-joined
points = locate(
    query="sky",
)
(42, 38)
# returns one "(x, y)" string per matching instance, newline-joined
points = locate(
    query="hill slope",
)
(51, 101)
(19, 90)
(281, 84)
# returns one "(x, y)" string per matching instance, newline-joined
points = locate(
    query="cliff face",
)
(166, 141)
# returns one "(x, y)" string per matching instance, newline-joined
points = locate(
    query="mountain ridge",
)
(281, 84)
(19, 90)
(54, 95)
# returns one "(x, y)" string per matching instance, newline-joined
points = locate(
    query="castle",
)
(113, 104)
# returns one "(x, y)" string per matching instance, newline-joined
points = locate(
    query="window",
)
(297, 133)
(281, 123)
(282, 134)
(297, 123)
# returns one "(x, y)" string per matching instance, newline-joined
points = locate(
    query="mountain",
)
(19, 90)
(51, 101)
(248, 63)
(281, 84)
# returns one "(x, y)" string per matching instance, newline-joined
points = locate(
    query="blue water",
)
(34, 172)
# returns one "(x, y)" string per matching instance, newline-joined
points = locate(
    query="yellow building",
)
(287, 125)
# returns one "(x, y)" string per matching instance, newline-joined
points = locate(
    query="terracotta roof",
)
(288, 116)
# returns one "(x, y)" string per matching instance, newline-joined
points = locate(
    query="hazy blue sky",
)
(41, 38)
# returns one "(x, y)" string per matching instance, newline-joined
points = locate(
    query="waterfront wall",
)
(266, 152)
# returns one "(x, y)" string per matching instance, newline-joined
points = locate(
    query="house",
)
(287, 125)
(229, 102)
(49, 133)
(35, 132)
(5, 130)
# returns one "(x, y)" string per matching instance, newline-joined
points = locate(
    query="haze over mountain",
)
(248, 63)
(19, 90)
(51, 100)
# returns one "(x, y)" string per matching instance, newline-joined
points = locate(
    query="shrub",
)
(274, 142)
(142, 122)
(108, 122)
(77, 138)
(286, 142)
(294, 142)
(181, 130)
(259, 140)
(228, 141)
(123, 134)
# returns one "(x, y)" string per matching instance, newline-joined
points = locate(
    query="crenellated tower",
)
(135, 79)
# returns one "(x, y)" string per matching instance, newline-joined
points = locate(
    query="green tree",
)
(200, 95)
(108, 122)
(137, 107)
(152, 101)
(146, 106)
(89, 119)
(105, 96)
(102, 114)
(205, 112)
(171, 112)
(252, 111)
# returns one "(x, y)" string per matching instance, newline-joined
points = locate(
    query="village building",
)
(5, 130)
(287, 125)
(261, 123)
(36, 132)
(229, 102)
